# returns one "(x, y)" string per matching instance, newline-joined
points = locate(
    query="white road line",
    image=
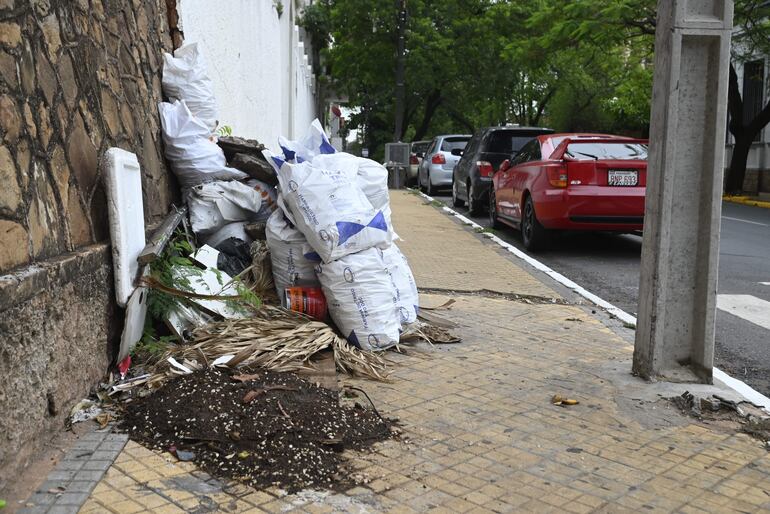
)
(745, 306)
(736, 385)
(745, 221)
(764, 283)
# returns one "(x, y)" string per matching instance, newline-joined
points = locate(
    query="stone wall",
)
(76, 77)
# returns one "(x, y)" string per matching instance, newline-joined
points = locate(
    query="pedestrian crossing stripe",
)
(752, 309)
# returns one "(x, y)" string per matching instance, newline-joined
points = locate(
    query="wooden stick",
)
(162, 235)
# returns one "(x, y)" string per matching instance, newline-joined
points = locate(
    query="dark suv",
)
(482, 156)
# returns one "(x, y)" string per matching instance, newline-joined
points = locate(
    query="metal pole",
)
(400, 71)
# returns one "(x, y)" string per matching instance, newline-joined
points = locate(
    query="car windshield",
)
(454, 143)
(420, 147)
(507, 142)
(595, 151)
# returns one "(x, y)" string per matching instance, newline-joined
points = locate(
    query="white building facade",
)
(259, 64)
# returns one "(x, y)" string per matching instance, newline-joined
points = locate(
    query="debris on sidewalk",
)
(258, 427)
(714, 409)
(558, 399)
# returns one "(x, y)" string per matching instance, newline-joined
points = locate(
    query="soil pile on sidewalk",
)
(264, 428)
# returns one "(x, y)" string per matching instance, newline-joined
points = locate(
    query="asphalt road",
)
(608, 265)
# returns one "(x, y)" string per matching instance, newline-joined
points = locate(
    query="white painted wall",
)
(257, 63)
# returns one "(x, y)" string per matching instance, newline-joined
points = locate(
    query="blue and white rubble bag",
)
(405, 296)
(330, 209)
(313, 144)
(359, 295)
(287, 246)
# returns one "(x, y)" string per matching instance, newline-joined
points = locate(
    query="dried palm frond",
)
(261, 268)
(429, 333)
(276, 339)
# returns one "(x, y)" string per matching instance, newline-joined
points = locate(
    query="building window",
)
(753, 89)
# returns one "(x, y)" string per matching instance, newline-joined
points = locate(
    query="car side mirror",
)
(457, 151)
(505, 165)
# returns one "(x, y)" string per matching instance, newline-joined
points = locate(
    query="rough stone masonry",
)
(76, 77)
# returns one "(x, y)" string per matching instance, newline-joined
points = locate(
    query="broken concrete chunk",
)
(232, 145)
(255, 167)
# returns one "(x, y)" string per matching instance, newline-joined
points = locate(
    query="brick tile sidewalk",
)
(480, 433)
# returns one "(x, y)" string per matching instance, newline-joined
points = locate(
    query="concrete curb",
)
(745, 200)
(743, 389)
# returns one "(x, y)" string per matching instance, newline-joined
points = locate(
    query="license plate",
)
(622, 178)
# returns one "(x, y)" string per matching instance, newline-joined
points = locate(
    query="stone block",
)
(44, 128)
(43, 217)
(79, 226)
(23, 157)
(29, 121)
(51, 33)
(10, 192)
(68, 84)
(10, 121)
(14, 245)
(27, 69)
(110, 112)
(10, 34)
(46, 79)
(82, 156)
(8, 69)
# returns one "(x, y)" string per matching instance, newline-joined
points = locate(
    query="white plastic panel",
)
(123, 184)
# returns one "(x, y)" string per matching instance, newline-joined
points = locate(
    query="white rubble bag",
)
(406, 298)
(359, 294)
(185, 77)
(194, 157)
(268, 195)
(287, 244)
(330, 209)
(215, 204)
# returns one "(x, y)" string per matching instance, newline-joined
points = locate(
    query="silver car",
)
(436, 167)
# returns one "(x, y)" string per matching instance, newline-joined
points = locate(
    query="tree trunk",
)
(737, 171)
(431, 104)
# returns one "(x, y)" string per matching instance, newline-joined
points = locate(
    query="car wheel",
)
(493, 221)
(474, 206)
(456, 202)
(533, 234)
(430, 190)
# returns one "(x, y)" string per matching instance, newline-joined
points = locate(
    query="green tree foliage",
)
(582, 65)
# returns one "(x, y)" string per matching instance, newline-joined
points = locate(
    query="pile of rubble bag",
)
(329, 227)
(333, 229)
(269, 251)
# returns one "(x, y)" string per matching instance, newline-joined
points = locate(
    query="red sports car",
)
(571, 182)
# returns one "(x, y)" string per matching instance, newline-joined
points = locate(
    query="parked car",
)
(436, 168)
(418, 150)
(571, 182)
(484, 153)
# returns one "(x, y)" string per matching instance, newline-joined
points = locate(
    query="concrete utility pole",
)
(678, 284)
(400, 71)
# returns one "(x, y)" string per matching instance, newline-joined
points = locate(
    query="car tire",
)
(474, 207)
(456, 202)
(494, 222)
(533, 234)
(430, 190)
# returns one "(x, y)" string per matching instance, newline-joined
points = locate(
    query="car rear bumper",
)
(592, 208)
(413, 170)
(439, 175)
